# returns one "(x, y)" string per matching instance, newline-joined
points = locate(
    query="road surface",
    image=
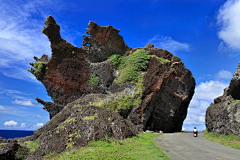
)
(183, 146)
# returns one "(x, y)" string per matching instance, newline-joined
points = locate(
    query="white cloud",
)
(24, 103)
(204, 95)
(224, 74)
(10, 123)
(23, 125)
(37, 116)
(168, 43)
(38, 125)
(3, 108)
(209, 90)
(21, 37)
(228, 19)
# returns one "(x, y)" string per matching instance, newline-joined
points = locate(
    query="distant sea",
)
(14, 133)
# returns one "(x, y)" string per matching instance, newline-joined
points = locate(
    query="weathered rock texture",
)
(223, 117)
(107, 88)
(9, 150)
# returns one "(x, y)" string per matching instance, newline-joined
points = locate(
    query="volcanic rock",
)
(12, 151)
(223, 117)
(107, 88)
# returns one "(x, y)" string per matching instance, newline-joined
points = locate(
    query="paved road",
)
(183, 146)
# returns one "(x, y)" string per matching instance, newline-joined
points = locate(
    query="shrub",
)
(116, 59)
(93, 81)
(22, 153)
(38, 68)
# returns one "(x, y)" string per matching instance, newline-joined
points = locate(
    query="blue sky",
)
(205, 34)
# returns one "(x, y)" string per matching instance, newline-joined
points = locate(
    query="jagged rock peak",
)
(52, 30)
(149, 45)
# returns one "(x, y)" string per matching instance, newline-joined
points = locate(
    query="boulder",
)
(223, 117)
(76, 125)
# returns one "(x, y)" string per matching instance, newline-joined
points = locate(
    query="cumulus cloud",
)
(209, 90)
(224, 74)
(38, 125)
(23, 125)
(168, 43)
(10, 123)
(228, 19)
(24, 103)
(204, 95)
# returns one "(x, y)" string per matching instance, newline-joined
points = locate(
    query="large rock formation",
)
(107, 88)
(223, 117)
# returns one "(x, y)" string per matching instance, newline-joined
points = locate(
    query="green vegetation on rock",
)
(131, 66)
(144, 148)
(69, 120)
(232, 140)
(117, 59)
(93, 81)
(31, 144)
(1, 144)
(123, 103)
(37, 68)
(21, 153)
(162, 60)
(234, 102)
(89, 117)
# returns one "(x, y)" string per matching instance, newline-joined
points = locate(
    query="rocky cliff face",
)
(223, 117)
(107, 88)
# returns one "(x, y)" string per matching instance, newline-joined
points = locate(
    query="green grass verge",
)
(143, 148)
(232, 140)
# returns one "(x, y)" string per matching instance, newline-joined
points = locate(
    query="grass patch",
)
(143, 148)
(1, 144)
(235, 101)
(31, 144)
(232, 140)
(162, 60)
(93, 81)
(131, 66)
(122, 103)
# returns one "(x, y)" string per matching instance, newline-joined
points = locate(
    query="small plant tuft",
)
(38, 68)
(93, 81)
